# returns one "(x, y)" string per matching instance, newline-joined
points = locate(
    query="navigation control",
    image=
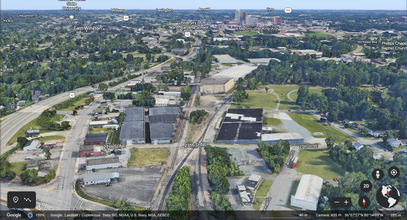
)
(364, 202)
(377, 174)
(22, 199)
(393, 172)
(366, 186)
(387, 196)
(341, 202)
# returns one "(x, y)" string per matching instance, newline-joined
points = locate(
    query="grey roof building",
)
(154, 119)
(165, 111)
(33, 164)
(161, 132)
(134, 114)
(132, 132)
(102, 163)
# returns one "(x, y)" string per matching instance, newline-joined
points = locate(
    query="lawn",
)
(18, 167)
(246, 33)
(77, 103)
(32, 125)
(141, 157)
(97, 130)
(311, 124)
(52, 138)
(312, 90)
(272, 121)
(264, 188)
(293, 191)
(259, 100)
(257, 203)
(317, 162)
(319, 35)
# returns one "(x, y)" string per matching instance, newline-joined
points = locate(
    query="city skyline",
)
(215, 5)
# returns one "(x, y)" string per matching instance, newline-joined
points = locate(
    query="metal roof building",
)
(97, 138)
(165, 111)
(134, 114)
(132, 132)
(102, 163)
(31, 145)
(161, 132)
(99, 178)
(292, 138)
(308, 192)
(235, 72)
(253, 181)
(225, 58)
(216, 85)
(164, 118)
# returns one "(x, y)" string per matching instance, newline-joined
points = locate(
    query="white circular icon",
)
(187, 34)
(71, 95)
(126, 18)
(288, 10)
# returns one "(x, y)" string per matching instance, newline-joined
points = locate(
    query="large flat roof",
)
(103, 160)
(165, 111)
(263, 60)
(244, 115)
(235, 72)
(132, 129)
(278, 136)
(213, 81)
(163, 118)
(161, 131)
(224, 57)
(309, 189)
(247, 131)
(134, 114)
(96, 137)
(97, 176)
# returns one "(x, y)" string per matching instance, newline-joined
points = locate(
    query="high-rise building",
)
(301, 19)
(277, 20)
(250, 21)
(237, 15)
(243, 16)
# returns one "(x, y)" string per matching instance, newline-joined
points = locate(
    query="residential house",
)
(393, 142)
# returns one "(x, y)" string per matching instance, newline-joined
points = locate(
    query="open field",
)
(32, 125)
(317, 162)
(52, 138)
(141, 157)
(257, 203)
(264, 188)
(77, 103)
(259, 100)
(293, 191)
(312, 90)
(97, 130)
(272, 121)
(311, 124)
(18, 167)
(319, 35)
(246, 33)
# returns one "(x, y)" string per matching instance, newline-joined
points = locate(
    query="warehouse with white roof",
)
(292, 138)
(308, 192)
(235, 72)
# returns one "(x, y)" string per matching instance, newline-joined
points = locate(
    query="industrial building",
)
(98, 124)
(263, 61)
(89, 151)
(225, 58)
(31, 133)
(134, 114)
(99, 178)
(244, 195)
(102, 163)
(253, 182)
(216, 86)
(235, 72)
(97, 138)
(161, 132)
(31, 145)
(132, 132)
(165, 111)
(292, 138)
(241, 126)
(308, 192)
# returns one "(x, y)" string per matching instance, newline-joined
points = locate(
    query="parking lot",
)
(21, 155)
(249, 161)
(137, 185)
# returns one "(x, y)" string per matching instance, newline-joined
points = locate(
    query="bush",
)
(197, 116)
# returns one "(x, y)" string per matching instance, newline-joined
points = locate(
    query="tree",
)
(103, 87)
(364, 132)
(109, 96)
(267, 89)
(387, 135)
(332, 116)
(47, 152)
(65, 125)
(107, 110)
(348, 144)
(252, 83)
(74, 112)
(185, 90)
(330, 141)
(303, 93)
(21, 141)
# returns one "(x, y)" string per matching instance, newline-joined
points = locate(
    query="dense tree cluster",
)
(240, 94)
(359, 166)
(274, 155)
(219, 167)
(172, 76)
(178, 200)
(185, 92)
(144, 99)
(223, 206)
(197, 116)
(30, 177)
(143, 87)
(69, 102)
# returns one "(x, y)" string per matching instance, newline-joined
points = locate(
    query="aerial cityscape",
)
(202, 112)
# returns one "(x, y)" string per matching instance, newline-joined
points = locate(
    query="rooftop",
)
(97, 176)
(103, 160)
(224, 57)
(213, 81)
(229, 131)
(132, 129)
(235, 72)
(32, 143)
(86, 147)
(255, 177)
(96, 137)
(283, 136)
(309, 189)
(33, 163)
(165, 111)
(244, 115)
(161, 131)
(134, 114)
(163, 118)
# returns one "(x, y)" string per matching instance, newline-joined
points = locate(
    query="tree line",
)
(274, 155)
(178, 200)
(197, 116)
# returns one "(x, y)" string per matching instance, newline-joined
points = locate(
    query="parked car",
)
(336, 180)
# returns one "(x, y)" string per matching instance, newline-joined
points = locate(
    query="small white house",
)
(357, 146)
(393, 142)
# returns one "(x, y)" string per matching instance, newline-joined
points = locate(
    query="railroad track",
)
(167, 187)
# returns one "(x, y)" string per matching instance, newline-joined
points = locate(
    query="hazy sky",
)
(213, 4)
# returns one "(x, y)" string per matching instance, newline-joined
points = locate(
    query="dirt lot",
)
(137, 185)
(207, 101)
(34, 154)
(195, 130)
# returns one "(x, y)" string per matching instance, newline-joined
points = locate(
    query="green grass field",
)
(272, 121)
(18, 167)
(264, 188)
(77, 103)
(312, 90)
(311, 124)
(292, 192)
(32, 125)
(246, 33)
(319, 35)
(257, 203)
(259, 100)
(141, 157)
(52, 138)
(318, 162)
(97, 130)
